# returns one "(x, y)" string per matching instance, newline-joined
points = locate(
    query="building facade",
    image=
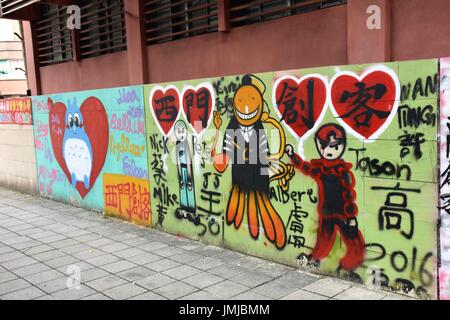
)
(127, 42)
(13, 80)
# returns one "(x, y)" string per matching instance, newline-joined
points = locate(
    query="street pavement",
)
(45, 246)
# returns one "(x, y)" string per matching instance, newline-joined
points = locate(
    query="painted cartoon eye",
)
(70, 120)
(77, 120)
(336, 147)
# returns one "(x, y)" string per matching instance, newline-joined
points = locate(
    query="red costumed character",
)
(337, 208)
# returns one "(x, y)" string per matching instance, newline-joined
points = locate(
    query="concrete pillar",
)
(224, 15)
(31, 58)
(137, 47)
(366, 45)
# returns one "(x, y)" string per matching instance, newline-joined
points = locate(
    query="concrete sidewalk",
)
(41, 241)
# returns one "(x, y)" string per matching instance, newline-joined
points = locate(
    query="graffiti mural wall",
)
(331, 169)
(444, 271)
(91, 151)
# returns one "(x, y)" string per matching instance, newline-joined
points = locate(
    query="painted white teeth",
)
(247, 116)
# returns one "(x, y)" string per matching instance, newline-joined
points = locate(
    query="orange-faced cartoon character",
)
(245, 146)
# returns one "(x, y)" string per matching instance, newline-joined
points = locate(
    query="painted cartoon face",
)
(74, 121)
(248, 105)
(180, 131)
(332, 150)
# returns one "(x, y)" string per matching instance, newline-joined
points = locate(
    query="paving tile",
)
(19, 263)
(136, 273)
(124, 291)
(250, 295)
(44, 276)
(273, 269)
(162, 265)
(31, 269)
(87, 237)
(11, 256)
(201, 295)
(168, 251)
(249, 263)
(182, 272)
(210, 251)
(298, 278)
(65, 243)
(97, 297)
(74, 294)
(61, 261)
(106, 283)
(100, 242)
(226, 289)
(226, 270)
(83, 266)
(251, 279)
(25, 245)
(24, 294)
(390, 296)
(304, 295)
(155, 281)
(149, 295)
(5, 249)
(76, 248)
(275, 290)
(54, 285)
(356, 293)
(13, 285)
(203, 280)
(128, 253)
(103, 260)
(93, 274)
(48, 255)
(88, 254)
(118, 266)
(122, 236)
(206, 263)
(38, 249)
(152, 246)
(186, 257)
(328, 286)
(175, 290)
(7, 276)
(144, 258)
(113, 247)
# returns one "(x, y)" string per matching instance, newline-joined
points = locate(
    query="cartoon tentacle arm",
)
(277, 169)
(221, 160)
(267, 119)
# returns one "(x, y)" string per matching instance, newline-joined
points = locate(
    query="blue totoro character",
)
(77, 148)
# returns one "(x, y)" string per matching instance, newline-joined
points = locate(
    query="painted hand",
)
(217, 119)
(289, 150)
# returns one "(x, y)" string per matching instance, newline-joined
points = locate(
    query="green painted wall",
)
(396, 192)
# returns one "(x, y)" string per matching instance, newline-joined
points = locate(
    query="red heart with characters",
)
(165, 107)
(365, 104)
(198, 106)
(95, 125)
(301, 103)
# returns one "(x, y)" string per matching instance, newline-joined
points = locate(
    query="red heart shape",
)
(97, 129)
(198, 106)
(301, 102)
(365, 104)
(165, 106)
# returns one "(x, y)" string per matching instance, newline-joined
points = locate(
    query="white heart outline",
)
(164, 90)
(366, 72)
(212, 92)
(298, 81)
